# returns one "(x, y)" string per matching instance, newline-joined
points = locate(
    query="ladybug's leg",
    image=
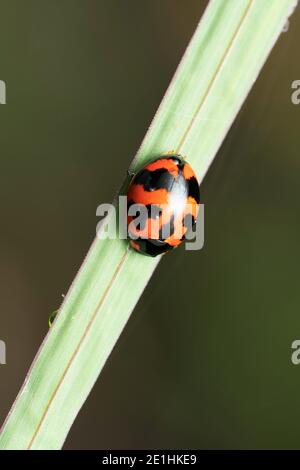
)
(130, 173)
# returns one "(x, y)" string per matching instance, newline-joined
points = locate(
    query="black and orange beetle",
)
(168, 188)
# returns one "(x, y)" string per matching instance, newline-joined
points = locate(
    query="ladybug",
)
(163, 203)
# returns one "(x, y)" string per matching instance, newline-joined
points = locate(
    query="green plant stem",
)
(218, 69)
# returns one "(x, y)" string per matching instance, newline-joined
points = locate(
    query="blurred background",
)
(209, 368)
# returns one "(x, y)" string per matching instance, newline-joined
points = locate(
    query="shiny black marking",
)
(193, 189)
(130, 202)
(153, 180)
(189, 223)
(153, 247)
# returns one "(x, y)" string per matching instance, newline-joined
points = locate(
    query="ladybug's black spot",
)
(153, 180)
(152, 247)
(189, 222)
(193, 189)
(130, 202)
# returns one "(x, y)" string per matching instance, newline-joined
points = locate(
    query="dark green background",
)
(204, 361)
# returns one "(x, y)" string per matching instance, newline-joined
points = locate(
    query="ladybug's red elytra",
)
(168, 190)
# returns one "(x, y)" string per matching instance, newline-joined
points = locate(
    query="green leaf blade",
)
(219, 67)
